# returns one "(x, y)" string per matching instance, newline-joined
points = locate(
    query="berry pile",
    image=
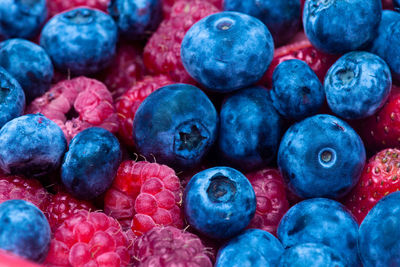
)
(199, 133)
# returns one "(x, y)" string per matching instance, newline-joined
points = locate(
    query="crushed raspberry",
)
(57, 6)
(125, 70)
(61, 206)
(89, 239)
(130, 101)
(144, 195)
(76, 105)
(162, 51)
(271, 199)
(169, 246)
(15, 187)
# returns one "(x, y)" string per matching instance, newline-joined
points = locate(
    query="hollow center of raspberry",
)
(345, 75)
(224, 24)
(327, 157)
(221, 189)
(79, 16)
(72, 114)
(190, 140)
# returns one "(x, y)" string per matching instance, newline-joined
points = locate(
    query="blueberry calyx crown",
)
(221, 189)
(224, 24)
(327, 157)
(190, 139)
(80, 16)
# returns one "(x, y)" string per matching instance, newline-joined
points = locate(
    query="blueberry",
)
(387, 43)
(24, 230)
(379, 239)
(250, 129)
(219, 202)
(12, 97)
(90, 165)
(176, 124)
(21, 18)
(357, 85)
(253, 247)
(396, 4)
(297, 92)
(321, 156)
(31, 145)
(227, 51)
(339, 26)
(136, 19)
(311, 254)
(29, 64)
(321, 221)
(81, 40)
(281, 17)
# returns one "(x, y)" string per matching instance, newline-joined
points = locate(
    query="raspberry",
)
(61, 206)
(169, 246)
(167, 5)
(8, 259)
(162, 51)
(89, 239)
(57, 6)
(125, 69)
(76, 105)
(148, 193)
(272, 203)
(15, 187)
(130, 101)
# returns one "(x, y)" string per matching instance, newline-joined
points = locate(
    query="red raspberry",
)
(61, 206)
(76, 105)
(126, 68)
(167, 5)
(318, 61)
(271, 199)
(148, 193)
(169, 246)
(382, 130)
(57, 6)
(15, 187)
(162, 53)
(380, 177)
(8, 259)
(89, 239)
(130, 101)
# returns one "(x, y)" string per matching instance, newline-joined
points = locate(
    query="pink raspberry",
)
(125, 70)
(130, 101)
(162, 53)
(271, 199)
(76, 105)
(167, 5)
(145, 195)
(89, 239)
(61, 206)
(57, 6)
(169, 246)
(15, 187)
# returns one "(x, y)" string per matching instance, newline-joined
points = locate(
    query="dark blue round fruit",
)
(311, 254)
(136, 19)
(340, 26)
(379, 240)
(227, 51)
(357, 85)
(281, 17)
(387, 43)
(31, 145)
(297, 92)
(21, 18)
(91, 163)
(321, 221)
(253, 247)
(250, 129)
(219, 202)
(29, 64)
(24, 230)
(12, 98)
(177, 125)
(396, 4)
(81, 41)
(321, 156)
